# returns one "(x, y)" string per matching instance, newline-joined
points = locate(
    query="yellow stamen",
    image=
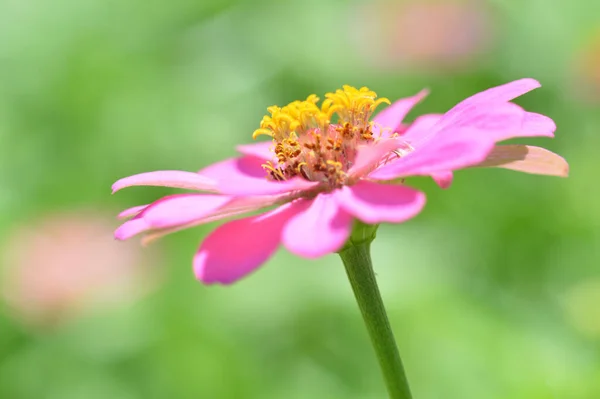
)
(305, 141)
(260, 132)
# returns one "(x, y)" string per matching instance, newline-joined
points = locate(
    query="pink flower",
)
(320, 175)
(65, 264)
(420, 34)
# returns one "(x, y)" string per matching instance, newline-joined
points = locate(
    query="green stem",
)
(357, 260)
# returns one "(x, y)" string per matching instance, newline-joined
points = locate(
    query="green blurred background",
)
(493, 291)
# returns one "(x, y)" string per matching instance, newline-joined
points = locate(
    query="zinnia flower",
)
(65, 265)
(417, 34)
(330, 164)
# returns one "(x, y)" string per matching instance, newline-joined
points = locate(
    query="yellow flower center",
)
(319, 143)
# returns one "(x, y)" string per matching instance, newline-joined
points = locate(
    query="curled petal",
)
(443, 179)
(246, 176)
(130, 212)
(528, 159)
(132, 228)
(167, 178)
(239, 247)
(375, 203)
(320, 228)
(536, 125)
(390, 118)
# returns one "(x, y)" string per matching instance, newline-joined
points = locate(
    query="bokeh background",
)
(493, 291)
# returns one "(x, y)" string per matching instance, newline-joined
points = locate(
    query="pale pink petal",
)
(443, 179)
(375, 203)
(237, 248)
(497, 121)
(421, 127)
(181, 209)
(537, 125)
(501, 122)
(390, 118)
(247, 166)
(480, 105)
(167, 178)
(498, 94)
(172, 211)
(131, 228)
(262, 150)
(322, 228)
(237, 206)
(461, 149)
(369, 156)
(246, 176)
(528, 159)
(127, 213)
(175, 212)
(490, 112)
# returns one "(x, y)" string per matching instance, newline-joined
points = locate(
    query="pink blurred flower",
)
(424, 34)
(320, 176)
(66, 263)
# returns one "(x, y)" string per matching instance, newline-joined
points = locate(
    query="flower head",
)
(329, 164)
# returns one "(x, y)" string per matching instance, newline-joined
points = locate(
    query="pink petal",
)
(369, 156)
(246, 176)
(481, 103)
(127, 213)
(262, 150)
(498, 94)
(500, 122)
(497, 121)
(537, 125)
(421, 127)
(390, 118)
(416, 134)
(461, 149)
(375, 203)
(181, 209)
(489, 112)
(172, 211)
(443, 179)
(528, 159)
(235, 207)
(237, 248)
(322, 227)
(131, 228)
(167, 178)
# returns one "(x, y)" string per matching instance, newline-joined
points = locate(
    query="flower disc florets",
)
(308, 144)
